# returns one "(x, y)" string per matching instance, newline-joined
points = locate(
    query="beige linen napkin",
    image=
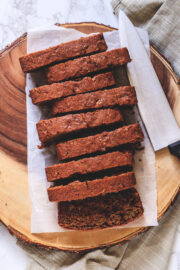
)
(151, 250)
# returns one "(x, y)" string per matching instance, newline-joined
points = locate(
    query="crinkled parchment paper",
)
(44, 213)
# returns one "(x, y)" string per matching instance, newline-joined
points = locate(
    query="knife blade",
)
(153, 106)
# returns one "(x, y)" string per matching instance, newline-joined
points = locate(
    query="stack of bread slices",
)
(94, 181)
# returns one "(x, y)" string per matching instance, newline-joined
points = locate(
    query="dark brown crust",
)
(99, 143)
(87, 65)
(52, 128)
(89, 165)
(121, 96)
(62, 52)
(81, 190)
(101, 212)
(53, 91)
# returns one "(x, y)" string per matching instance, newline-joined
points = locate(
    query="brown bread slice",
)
(63, 51)
(87, 65)
(121, 96)
(52, 128)
(58, 90)
(81, 190)
(89, 165)
(100, 212)
(100, 142)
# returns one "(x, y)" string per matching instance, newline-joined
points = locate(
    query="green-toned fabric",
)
(105, 259)
(152, 250)
(162, 21)
(139, 12)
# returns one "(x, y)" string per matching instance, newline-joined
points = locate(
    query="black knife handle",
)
(174, 149)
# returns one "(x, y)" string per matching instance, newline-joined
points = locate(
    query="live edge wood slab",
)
(15, 208)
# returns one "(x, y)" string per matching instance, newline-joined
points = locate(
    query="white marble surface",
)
(11, 256)
(16, 17)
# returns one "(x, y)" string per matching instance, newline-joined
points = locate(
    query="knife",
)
(153, 106)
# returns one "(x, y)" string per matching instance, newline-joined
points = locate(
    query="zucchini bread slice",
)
(100, 212)
(54, 91)
(101, 142)
(63, 51)
(80, 190)
(121, 96)
(55, 127)
(89, 165)
(87, 65)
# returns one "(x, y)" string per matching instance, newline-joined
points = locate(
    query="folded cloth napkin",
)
(162, 21)
(150, 250)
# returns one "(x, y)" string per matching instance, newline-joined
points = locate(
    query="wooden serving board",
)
(15, 208)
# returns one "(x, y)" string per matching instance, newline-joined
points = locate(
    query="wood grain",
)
(15, 209)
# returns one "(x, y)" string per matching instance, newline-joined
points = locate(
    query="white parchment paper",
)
(44, 217)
